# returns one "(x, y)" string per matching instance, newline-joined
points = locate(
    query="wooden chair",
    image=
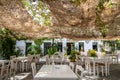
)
(33, 66)
(37, 58)
(4, 71)
(28, 61)
(80, 72)
(92, 68)
(104, 66)
(12, 57)
(71, 66)
(57, 59)
(13, 69)
(48, 60)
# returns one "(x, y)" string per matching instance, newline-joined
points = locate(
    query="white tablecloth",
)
(58, 72)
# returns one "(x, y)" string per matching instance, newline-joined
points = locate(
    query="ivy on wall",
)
(7, 43)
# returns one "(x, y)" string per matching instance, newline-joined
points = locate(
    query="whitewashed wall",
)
(87, 44)
(22, 45)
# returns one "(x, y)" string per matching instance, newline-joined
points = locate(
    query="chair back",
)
(56, 59)
(37, 57)
(33, 69)
(11, 57)
(4, 70)
(30, 58)
(48, 61)
(79, 68)
(71, 66)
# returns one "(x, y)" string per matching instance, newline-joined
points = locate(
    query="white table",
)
(4, 61)
(58, 72)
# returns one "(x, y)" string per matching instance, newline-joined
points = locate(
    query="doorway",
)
(47, 45)
(70, 47)
(59, 46)
(28, 44)
(95, 46)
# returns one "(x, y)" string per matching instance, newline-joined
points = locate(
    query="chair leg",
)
(102, 70)
(97, 70)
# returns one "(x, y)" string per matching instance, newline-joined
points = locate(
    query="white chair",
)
(27, 62)
(12, 68)
(4, 71)
(12, 57)
(104, 66)
(48, 61)
(91, 68)
(80, 75)
(71, 66)
(37, 58)
(33, 69)
(57, 59)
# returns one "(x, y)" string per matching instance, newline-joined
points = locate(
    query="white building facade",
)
(65, 45)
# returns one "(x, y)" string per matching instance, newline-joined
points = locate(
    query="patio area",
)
(59, 39)
(34, 67)
(114, 73)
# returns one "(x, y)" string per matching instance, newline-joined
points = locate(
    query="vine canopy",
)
(73, 19)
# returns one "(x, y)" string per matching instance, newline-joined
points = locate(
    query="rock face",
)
(69, 20)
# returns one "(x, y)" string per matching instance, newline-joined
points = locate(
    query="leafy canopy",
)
(39, 11)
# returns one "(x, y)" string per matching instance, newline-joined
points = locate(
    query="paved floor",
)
(114, 73)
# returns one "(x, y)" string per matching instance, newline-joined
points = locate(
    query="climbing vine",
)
(104, 28)
(100, 7)
(39, 11)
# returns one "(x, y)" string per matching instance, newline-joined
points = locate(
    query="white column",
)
(87, 46)
(64, 43)
(42, 48)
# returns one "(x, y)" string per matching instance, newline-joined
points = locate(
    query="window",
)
(59, 44)
(95, 46)
(70, 47)
(118, 46)
(47, 45)
(81, 46)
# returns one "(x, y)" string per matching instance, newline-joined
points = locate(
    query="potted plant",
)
(92, 53)
(34, 49)
(72, 56)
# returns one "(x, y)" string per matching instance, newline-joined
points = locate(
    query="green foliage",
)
(39, 11)
(40, 41)
(17, 52)
(73, 55)
(104, 28)
(77, 2)
(92, 53)
(7, 43)
(7, 46)
(75, 52)
(53, 48)
(112, 44)
(65, 54)
(36, 49)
